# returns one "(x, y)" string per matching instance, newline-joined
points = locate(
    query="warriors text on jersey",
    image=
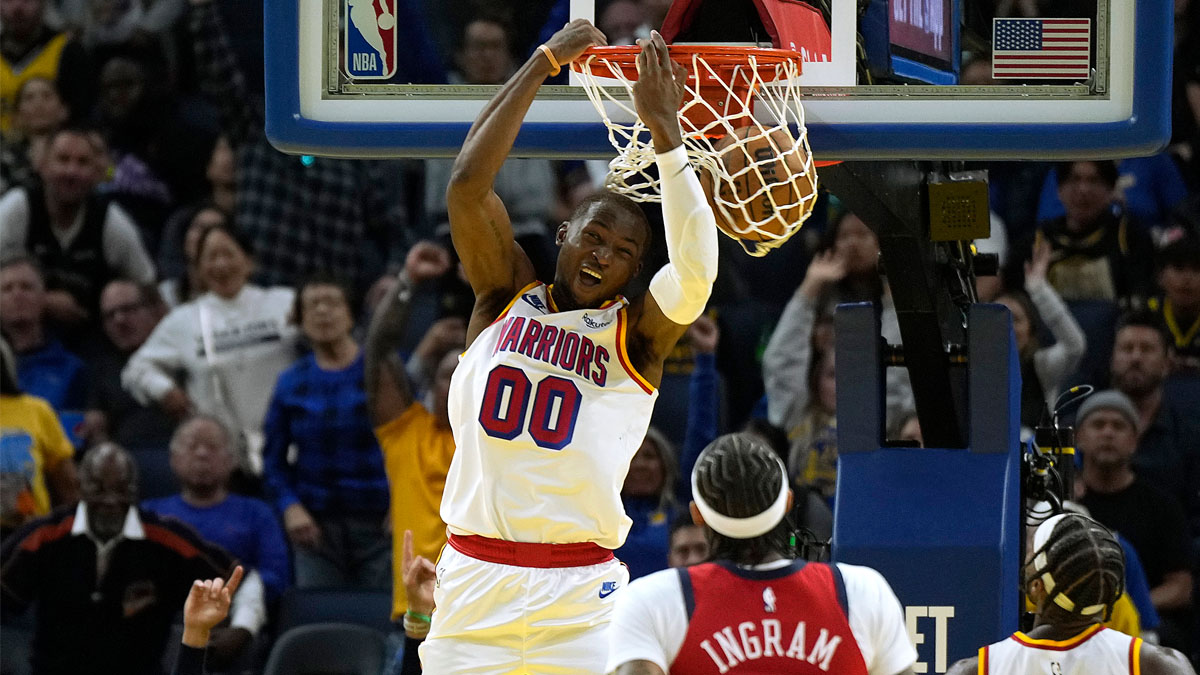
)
(547, 413)
(1095, 651)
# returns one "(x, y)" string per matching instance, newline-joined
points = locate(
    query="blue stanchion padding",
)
(942, 525)
(933, 523)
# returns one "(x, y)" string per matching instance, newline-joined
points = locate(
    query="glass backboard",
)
(899, 79)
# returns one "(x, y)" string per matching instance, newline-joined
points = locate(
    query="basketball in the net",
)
(759, 219)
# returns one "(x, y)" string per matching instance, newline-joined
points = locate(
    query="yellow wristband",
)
(553, 61)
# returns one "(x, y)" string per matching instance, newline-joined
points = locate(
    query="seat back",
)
(155, 477)
(304, 606)
(328, 649)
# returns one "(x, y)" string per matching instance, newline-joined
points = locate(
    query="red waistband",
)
(530, 555)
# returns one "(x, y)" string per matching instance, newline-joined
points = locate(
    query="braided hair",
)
(1082, 567)
(739, 476)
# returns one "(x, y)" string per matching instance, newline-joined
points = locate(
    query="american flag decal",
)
(1041, 49)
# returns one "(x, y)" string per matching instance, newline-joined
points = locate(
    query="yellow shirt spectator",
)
(32, 443)
(416, 456)
(43, 63)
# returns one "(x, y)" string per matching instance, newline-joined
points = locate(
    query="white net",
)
(737, 120)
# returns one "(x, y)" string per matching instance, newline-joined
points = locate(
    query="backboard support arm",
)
(929, 298)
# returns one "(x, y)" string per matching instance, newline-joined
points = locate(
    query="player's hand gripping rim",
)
(659, 90)
(574, 39)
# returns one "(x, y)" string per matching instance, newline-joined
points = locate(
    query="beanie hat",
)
(1109, 399)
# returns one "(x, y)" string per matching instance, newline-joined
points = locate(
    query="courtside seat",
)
(328, 648)
(16, 642)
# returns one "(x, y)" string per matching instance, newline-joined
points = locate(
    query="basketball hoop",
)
(741, 117)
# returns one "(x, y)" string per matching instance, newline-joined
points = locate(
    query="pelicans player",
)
(1075, 574)
(756, 609)
(553, 395)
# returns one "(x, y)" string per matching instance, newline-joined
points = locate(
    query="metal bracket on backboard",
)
(333, 75)
(1100, 82)
(958, 206)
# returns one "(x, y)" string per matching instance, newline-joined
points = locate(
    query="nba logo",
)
(769, 600)
(370, 40)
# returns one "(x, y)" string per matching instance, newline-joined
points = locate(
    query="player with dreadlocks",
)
(755, 607)
(1074, 575)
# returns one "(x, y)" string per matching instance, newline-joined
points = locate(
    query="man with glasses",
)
(129, 312)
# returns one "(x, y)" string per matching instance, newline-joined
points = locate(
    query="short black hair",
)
(1105, 167)
(775, 437)
(206, 205)
(1087, 564)
(1142, 318)
(621, 203)
(76, 129)
(739, 476)
(681, 521)
(837, 216)
(492, 16)
(324, 278)
(243, 242)
(1183, 253)
(148, 293)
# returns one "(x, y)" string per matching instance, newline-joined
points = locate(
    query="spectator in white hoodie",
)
(221, 353)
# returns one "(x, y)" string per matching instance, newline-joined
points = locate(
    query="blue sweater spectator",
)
(334, 496)
(203, 458)
(244, 526)
(339, 466)
(44, 366)
(55, 374)
(658, 486)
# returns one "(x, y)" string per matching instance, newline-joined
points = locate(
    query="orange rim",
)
(722, 58)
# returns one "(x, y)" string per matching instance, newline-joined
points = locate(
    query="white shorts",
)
(495, 618)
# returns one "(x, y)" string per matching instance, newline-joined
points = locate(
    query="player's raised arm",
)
(479, 223)
(680, 290)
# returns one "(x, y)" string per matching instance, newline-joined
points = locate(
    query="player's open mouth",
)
(589, 276)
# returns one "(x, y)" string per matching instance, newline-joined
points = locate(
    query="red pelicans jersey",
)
(783, 621)
(775, 619)
(1095, 651)
(547, 412)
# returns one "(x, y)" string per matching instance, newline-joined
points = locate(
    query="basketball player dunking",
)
(1075, 573)
(756, 609)
(553, 395)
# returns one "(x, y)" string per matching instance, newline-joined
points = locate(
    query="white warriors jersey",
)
(547, 412)
(1095, 651)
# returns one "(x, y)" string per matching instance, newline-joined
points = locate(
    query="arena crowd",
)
(197, 330)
